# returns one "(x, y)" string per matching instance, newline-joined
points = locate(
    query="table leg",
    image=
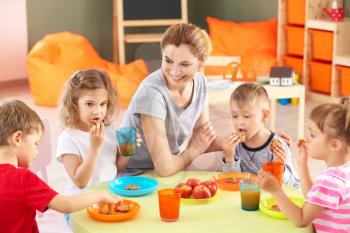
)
(273, 115)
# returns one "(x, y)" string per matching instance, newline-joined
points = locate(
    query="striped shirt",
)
(332, 191)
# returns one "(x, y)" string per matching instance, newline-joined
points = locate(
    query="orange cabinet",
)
(322, 45)
(296, 12)
(344, 80)
(320, 77)
(295, 40)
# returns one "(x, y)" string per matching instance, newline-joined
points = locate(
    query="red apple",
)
(193, 182)
(185, 190)
(211, 185)
(201, 191)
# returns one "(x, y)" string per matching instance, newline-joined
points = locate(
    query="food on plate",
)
(185, 189)
(200, 192)
(132, 187)
(275, 208)
(211, 185)
(194, 188)
(193, 182)
(108, 209)
(275, 143)
(232, 180)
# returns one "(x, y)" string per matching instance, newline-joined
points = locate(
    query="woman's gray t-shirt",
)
(153, 99)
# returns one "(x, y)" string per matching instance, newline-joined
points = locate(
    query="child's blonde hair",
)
(17, 116)
(250, 93)
(89, 79)
(333, 119)
(190, 35)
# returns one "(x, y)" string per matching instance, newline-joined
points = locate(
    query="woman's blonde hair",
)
(89, 79)
(333, 119)
(17, 116)
(190, 35)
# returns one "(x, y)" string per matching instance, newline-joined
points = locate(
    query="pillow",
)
(254, 42)
(242, 39)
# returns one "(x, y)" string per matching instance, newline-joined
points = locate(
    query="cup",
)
(276, 169)
(250, 194)
(169, 204)
(127, 140)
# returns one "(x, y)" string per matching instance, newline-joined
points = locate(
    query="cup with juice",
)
(250, 194)
(276, 169)
(127, 141)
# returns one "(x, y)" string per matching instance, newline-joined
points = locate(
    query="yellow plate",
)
(204, 201)
(265, 206)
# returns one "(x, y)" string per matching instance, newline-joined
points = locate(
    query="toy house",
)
(281, 76)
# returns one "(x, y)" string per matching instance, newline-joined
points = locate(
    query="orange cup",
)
(169, 204)
(276, 169)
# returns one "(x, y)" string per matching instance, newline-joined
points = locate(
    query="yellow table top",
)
(223, 215)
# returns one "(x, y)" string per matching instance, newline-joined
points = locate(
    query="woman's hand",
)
(202, 138)
(97, 135)
(267, 182)
(229, 146)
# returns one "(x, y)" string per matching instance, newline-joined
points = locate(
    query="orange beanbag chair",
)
(57, 56)
(254, 42)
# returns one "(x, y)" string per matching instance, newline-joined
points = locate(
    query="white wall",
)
(13, 40)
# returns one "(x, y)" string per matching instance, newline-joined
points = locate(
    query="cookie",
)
(241, 136)
(301, 142)
(132, 187)
(123, 208)
(275, 143)
(275, 208)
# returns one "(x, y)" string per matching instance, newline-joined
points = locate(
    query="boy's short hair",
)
(15, 115)
(250, 93)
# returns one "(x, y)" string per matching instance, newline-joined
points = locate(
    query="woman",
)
(171, 106)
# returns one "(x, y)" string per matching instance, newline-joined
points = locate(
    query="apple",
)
(185, 190)
(193, 182)
(211, 185)
(201, 191)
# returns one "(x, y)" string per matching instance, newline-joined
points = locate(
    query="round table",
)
(223, 215)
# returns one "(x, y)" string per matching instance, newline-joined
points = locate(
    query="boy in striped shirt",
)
(327, 203)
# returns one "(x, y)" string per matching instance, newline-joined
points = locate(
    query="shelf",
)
(151, 23)
(342, 60)
(326, 25)
(140, 38)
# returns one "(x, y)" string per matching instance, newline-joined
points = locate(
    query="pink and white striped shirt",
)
(332, 191)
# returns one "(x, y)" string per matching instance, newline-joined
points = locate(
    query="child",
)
(327, 203)
(249, 147)
(87, 146)
(22, 192)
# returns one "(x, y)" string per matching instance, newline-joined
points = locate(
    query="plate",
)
(220, 179)
(203, 201)
(145, 185)
(266, 204)
(94, 212)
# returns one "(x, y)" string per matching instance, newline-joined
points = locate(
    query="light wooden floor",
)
(53, 222)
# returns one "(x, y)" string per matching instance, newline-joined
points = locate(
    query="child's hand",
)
(138, 140)
(229, 146)
(279, 154)
(286, 138)
(302, 153)
(96, 135)
(107, 198)
(267, 182)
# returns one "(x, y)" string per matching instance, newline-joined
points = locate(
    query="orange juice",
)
(127, 149)
(250, 199)
(169, 204)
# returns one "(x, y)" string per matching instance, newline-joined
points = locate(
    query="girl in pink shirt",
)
(327, 203)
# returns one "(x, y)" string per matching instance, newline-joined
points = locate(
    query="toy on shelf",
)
(336, 13)
(281, 76)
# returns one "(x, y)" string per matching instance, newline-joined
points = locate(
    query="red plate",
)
(94, 212)
(230, 180)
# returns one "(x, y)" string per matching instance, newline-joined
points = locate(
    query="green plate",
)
(265, 206)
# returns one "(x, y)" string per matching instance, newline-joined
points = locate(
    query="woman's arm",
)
(217, 145)
(165, 162)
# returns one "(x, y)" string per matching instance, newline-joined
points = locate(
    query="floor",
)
(53, 222)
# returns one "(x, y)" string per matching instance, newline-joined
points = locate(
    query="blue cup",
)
(127, 141)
